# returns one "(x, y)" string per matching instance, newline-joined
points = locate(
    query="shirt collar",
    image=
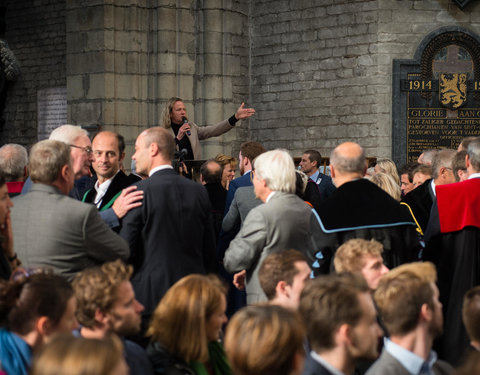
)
(314, 177)
(159, 168)
(325, 364)
(412, 362)
(269, 196)
(474, 175)
(432, 184)
(101, 190)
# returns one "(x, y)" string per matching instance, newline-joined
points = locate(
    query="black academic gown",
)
(360, 209)
(453, 245)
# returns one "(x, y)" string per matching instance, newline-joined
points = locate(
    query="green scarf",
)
(217, 358)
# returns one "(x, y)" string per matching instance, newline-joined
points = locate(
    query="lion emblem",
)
(453, 90)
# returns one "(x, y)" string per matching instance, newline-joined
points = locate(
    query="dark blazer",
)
(170, 235)
(313, 367)
(119, 182)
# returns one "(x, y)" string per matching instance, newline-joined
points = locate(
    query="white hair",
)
(276, 167)
(67, 133)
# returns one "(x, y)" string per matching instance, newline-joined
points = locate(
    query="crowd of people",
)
(350, 269)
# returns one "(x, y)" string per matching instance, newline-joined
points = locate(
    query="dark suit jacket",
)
(119, 182)
(387, 364)
(313, 367)
(170, 235)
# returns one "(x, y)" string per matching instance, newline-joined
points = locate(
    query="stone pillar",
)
(107, 66)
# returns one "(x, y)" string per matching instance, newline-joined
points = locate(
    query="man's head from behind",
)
(248, 152)
(472, 160)
(108, 152)
(459, 167)
(363, 257)
(311, 160)
(421, 174)
(442, 171)
(211, 172)
(471, 315)
(153, 147)
(50, 164)
(81, 147)
(407, 298)
(274, 171)
(282, 277)
(13, 162)
(339, 314)
(106, 300)
(347, 162)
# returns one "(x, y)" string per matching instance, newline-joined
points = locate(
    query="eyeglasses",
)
(252, 175)
(87, 149)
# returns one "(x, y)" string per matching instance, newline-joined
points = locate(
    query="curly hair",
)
(96, 289)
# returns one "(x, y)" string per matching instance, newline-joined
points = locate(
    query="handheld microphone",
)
(185, 121)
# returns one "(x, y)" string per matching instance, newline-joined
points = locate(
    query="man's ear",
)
(65, 171)
(467, 161)
(101, 317)
(122, 156)
(153, 148)
(280, 289)
(43, 326)
(344, 334)
(426, 313)
(332, 171)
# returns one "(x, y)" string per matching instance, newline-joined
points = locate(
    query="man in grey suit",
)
(244, 200)
(283, 222)
(408, 300)
(50, 229)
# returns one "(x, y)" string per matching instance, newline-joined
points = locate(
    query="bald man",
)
(360, 209)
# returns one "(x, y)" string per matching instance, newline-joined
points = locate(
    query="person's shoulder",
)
(442, 368)
(312, 367)
(387, 364)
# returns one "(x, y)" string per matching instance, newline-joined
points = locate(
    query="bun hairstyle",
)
(24, 300)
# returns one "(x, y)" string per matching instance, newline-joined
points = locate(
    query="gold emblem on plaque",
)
(453, 90)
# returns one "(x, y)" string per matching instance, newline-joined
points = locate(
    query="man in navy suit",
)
(319, 186)
(171, 234)
(341, 323)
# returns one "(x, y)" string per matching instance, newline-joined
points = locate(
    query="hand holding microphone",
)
(184, 129)
(185, 121)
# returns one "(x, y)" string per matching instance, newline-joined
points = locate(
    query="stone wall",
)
(322, 70)
(318, 72)
(36, 35)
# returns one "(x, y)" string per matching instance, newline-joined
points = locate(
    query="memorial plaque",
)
(436, 98)
(51, 110)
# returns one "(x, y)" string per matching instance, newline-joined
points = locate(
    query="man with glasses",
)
(81, 154)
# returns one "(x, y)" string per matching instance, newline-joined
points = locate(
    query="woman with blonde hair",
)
(228, 164)
(387, 183)
(80, 356)
(185, 328)
(388, 166)
(265, 340)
